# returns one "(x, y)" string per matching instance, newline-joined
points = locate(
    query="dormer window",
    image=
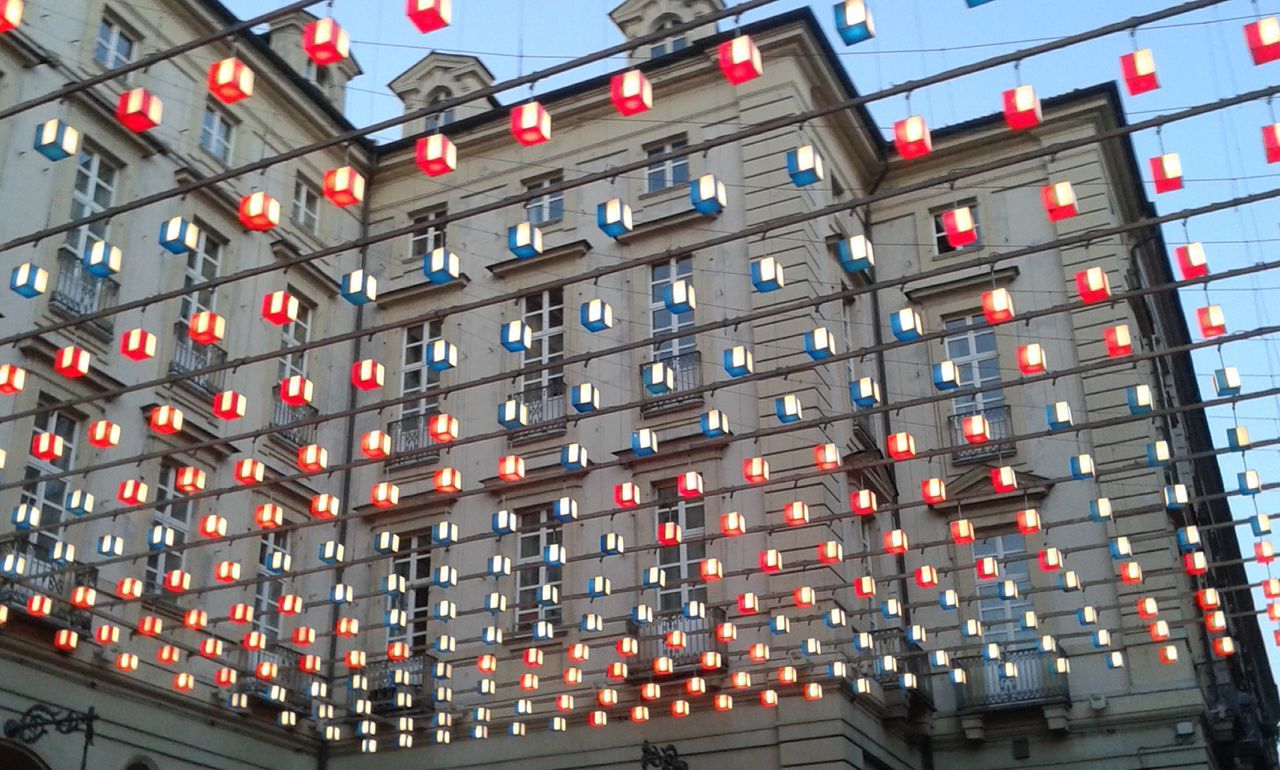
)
(670, 45)
(439, 120)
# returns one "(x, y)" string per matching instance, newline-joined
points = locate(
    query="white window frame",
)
(1010, 550)
(50, 496)
(681, 563)
(547, 208)
(414, 359)
(174, 511)
(672, 172)
(973, 330)
(270, 586)
(548, 343)
(662, 275)
(294, 333)
(532, 572)
(941, 246)
(107, 45)
(94, 191)
(217, 134)
(672, 44)
(438, 120)
(306, 206)
(427, 236)
(204, 263)
(413, 563)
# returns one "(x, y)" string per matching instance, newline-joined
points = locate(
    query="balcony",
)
(998, 419)
(388, 679)
(545, 404)
(284, 418)
(411, 443)
(988, 689)
(294, 682)
(79, 293)
(893, 641)
(190, 356)
(700, 634)
(686, 369)
(44, 577)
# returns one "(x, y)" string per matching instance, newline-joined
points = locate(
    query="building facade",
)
(1202, 711)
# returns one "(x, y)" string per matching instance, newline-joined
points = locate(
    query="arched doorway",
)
(16, 757)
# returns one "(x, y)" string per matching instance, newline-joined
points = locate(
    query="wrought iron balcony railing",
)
(990, 687)
(284, 418)
(46, 577)
(893, 641)
(390, 680)
(545, 404)
(79, 292)
(288, 677)
(411, 442)
(998, 419)
(700, 635)
(190, 356)
(686, 369)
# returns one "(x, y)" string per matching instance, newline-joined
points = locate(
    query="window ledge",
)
(677, 190)
(663, 223)
(964, 278)
(573, 250)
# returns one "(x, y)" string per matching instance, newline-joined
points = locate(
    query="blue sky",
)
(1201, 57)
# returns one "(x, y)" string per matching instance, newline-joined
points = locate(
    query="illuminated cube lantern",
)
(906, 325)
(933, 491)
(511, 468)
(788, 408)
(190, 480)
(1058, 415)
(896, 542)
(1139, 71)
(1238, 438)
(524, 240)
(1226, 382)
(359, 288)
(280, 307)
(689, 484)
(1081, 466)
(384, 494)
(138, 344)
(10, 14)
(585, 397)
(179, 236)
(104, 434)
(827, 457)
(795, 513)
(755, 470)
(326, 42)
(166, 419)
(771, 561)
(296, 390)
(740, 60)
(368, 374)
(767, 275)
(1117, 341)
(230, 80)
(249, 471)
(926, 577)
(441, 266)
(28, 280)
(1022, 108)
(901, 446)
(429, 15)
(1166, 172)
(911, 137)
(679, 297)
(376, 445)
(56, 140)
(132, 492)
(1250, 482)
(596, 315)
(1212, 321)
(855, 254)
(805, 166)
(71, 361)
(997, 306)
(959, 226)
(863, 502)
(259, 212)
(1271, 142)
(268, 516)
(946, 376)
(1028, 521)
(206, 327)
(708, 195)
(513, 414)
(864, 392)
(102, 259)
(738, 361)
(854, 22)
(139, 110)
(436, 155)
(1059, 201)
(1263, 37)
(447, 481)
(344, 187)
(614, 218)
(631, 93)
(626, 495)
(1031, 359)
(658, 377)
(976, 429)
(530, 124)
(1191, 260)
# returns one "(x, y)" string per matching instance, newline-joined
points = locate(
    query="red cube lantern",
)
(1059, 201)
(771, 561)
(689, 484)
(911, 137)
(139, 110)
(896, 541)
(863, 502)
(344, 186)
(1031, 359)
(296, 390)
(280, 307)
(368, 374)
(1022, 108)
(960, 228)
(631, 93)
(138, 344)
(1028, 521)
(207, 327)
(1212, 321)
(755, 470)
(1093, 285)
(71, 362)
(1004, 479)
(384, 494)
(827, 457)
(1050, 559)
(436, 155)
(1139, 71)
(166, 419)
(229, 405)
(47, 446)
(1195, 563)
(511, 468)
(740, 60)
(104, 434)
(12, 379)
(1271, 142)
(933, 491)
(1192, 262)
(312, 458)
(1263, 37)
(864, 587)
(268, 516)
(530, 124)
(1166, 172)
(626, 495)
(1117, 341)
(190, 480)
(669, 533)
(1148, 608)
(733, 524)
(249, 471)
(66, 640)
(927, 577)
(796, 513)
(429, 15)
(901, 446)
(230, 80)
(448, 481)
(10, 14)
(976, 429)
(987, 568)
(132, 492)
(962, 532)
(376, 445)
(326, 42)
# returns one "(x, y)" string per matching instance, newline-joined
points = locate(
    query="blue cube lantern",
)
(658, 378)
(513, 414)
(779, 625)
(1158, 454)
(79, 502)
(56, 140)
(856, 254)
(1115, 658)
(179, 236)
(553, 555)
(441, 266)
(359, 288)
(738, 361)
(444, 611)
(442, 355)
(1226, 382)
(1238, 438)
(644, 442)
(564, 509)
(819, 344)
(788, 408)
(864, 392)
(573, 457)
(341, 593)
(1249, 482)
(679, 297)
(504, 523)
(498, 566)
(160, 537)
(101, 259)
(543, 631)
(1058, 415)
(444, 533)
(599, 587)
(1120, 547)
(767, 275)
(1140, 399)
(331, 552)
(863, 641)
(596, 315)
(948, 599)
(906, 325)
(835, 618)
(714, 424)
(1082, 467)
(1189, 539)
(495, 603)
(804, 166)
(548, 595)
(524, 240)
(891, 609)
(708, 195)
(28, 280)
(1100, 509)
(991, 652)
(642, 614)
(25, 517)
(386, 543)
(614, 218)
(694, 610)
(517, 337)
(1260, 524)
(811, 648)
(1175, 497)
(612, 544)
(585, 397)
(854, 22)
(946, 376)
(654, 577)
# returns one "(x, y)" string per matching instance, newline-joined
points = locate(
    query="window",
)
(531, 572)
(94, 191)
(115, 46)
(50, 496)
(972, 348)
(438, 120)
(543, 391)
(270, 587)
(413, 563)
(671, 44)
(1002, 618)
(310, 69)
(681, 562)
(548, 207)
(217, 134)
(306, 206)
(293, 334)
(428, 234)
(202, 266)
(662, 275)
(940, 243)
(667, 173)
(174, 512)
(416, 376)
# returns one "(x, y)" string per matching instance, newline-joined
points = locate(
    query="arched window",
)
(439, 120)
(670, 45)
